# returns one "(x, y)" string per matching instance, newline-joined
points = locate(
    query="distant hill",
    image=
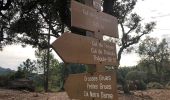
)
(5, 71)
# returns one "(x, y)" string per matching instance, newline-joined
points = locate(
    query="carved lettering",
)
(92, 86)
(90, 79)
(94, 95)
(86, 94)
(94, 43)
(105, 87)
(106, 95)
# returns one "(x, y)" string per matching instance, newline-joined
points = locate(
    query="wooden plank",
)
(88, 18)
(97, 86)
(73, 48)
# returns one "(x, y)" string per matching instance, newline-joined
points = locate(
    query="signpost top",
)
(88, 18)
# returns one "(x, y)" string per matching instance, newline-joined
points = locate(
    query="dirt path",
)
(25, 95)
(156, 94)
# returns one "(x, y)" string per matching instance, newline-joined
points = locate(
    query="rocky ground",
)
(154, 94)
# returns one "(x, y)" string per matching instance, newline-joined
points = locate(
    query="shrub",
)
(4, 81)
(136, 85)
(154, 85)
(153, 77)
(168, 85)
(141, 85)
(136, 75)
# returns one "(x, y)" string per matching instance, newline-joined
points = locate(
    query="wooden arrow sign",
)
(88, 18)
(99, 86)
(73, 48)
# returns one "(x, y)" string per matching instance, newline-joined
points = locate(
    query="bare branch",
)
(47, 34)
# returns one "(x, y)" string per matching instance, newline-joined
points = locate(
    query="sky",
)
(150, 10)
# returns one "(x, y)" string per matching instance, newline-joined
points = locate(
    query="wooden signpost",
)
(73, 48)
(90, 49)
(88, 18)
(99, 86)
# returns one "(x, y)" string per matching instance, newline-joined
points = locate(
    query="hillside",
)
(5, 71)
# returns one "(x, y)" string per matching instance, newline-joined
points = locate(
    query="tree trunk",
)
(108, 8)
(119, 54)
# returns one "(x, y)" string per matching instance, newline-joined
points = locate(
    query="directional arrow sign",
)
(88, 18)
(73, 48)
(99, 86)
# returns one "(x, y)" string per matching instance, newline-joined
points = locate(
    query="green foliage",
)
(154, 59)
(76, 68)
(121, 74)
(154, 53)
(136, 75)
(148, 47)
(41, 56)
(124, 70)
(154, 85)
(28, 67)
(166, 75)
(136, 85)
(49, 72)
(19, 74)
(141, 85)
(25, 70)
(38, 80)
(27, 21)
(146, 66)
(136, 79)
(4, 80)
(39, 89)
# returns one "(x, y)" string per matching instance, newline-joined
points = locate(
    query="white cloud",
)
(129, 59)
(13, 55)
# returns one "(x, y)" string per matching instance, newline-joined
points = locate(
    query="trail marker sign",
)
(73, 48)
(99, 86)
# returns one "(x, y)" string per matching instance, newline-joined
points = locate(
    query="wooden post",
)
(94, 68)
(98, 67)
